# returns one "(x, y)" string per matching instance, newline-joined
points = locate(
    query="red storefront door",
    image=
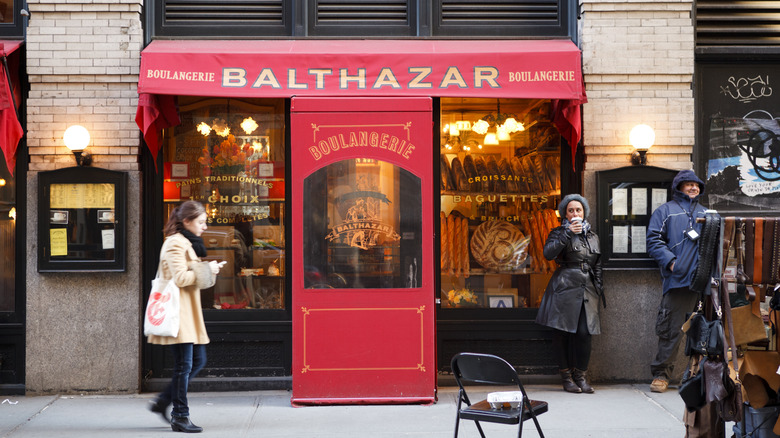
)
(363, 298)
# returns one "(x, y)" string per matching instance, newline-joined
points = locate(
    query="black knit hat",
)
(573, 197)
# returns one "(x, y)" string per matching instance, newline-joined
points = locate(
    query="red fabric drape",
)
(155, 113)
(567, 117)
(10, 127)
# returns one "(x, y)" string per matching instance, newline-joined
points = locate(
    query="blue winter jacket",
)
(666, 238)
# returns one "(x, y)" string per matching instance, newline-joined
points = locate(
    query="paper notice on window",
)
(58, 237)
(619, 202)
(108, 238)
(638, 238)
(620, 240)
(658, 199)
(638, 201)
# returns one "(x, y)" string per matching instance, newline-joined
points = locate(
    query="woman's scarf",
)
(585, 225)
(197, 243)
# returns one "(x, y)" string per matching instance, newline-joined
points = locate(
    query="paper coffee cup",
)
(576, 220)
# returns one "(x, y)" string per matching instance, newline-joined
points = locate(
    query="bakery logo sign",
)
(393, 138)
(362, 227)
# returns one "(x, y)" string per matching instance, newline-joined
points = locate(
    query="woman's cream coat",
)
(179, 262)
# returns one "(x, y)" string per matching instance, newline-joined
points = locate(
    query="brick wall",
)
(82, 62)
(638, 65)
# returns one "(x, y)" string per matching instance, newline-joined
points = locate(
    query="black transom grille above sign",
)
(501, 17)
(362, 17)
(737, 23)
(240, 17)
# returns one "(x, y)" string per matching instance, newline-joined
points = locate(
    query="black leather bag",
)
(704, 337)
(692, 389)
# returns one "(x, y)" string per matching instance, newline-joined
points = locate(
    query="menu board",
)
(81, 222)
(627, 198)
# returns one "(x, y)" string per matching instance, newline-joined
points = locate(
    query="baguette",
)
(456, 233)
(447, 182)
(471, 172)
(530, 174)
(482, 171)
(494, 175)
(506, 172)
(444, 242)
(464, 247)
(451, 243)
(461, 182)
(517, 170)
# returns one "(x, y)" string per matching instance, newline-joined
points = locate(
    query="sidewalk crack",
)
(40, 411)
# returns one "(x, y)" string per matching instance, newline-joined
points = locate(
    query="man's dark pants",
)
(675, 304)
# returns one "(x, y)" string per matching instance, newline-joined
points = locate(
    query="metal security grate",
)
(737, 23)
(498, 12)
(381, 12)
(244, 12)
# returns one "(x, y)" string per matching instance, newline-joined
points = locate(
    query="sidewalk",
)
(628, 410)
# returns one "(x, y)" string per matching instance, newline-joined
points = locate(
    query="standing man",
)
(673, 241)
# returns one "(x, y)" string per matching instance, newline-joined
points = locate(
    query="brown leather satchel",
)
(747, 326)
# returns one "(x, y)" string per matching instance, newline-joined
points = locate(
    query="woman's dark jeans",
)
(189, 359)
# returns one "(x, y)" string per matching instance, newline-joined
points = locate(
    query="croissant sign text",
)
(549, 69)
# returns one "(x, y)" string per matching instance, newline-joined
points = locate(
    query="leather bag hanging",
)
(747, 326)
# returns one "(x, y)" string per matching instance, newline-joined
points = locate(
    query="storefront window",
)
(362, 226)
(7, 240)
(229, 155)
(500, 186)
(6, 11)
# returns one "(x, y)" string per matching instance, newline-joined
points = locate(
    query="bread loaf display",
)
(494, 175)
(464, 247)
(506, 172)
(499, 246)
(459, 175)
(517, 170)
(451, 243)
(444, 242)
(471, 172)
(530, 173)
(447, 183)
(482, 172)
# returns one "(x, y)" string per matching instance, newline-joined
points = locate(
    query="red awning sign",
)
(547, 69)
(523, 69)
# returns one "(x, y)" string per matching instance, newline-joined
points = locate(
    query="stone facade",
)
(83, 332)
(638, 61)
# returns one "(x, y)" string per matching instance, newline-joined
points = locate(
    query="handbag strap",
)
(724, 306)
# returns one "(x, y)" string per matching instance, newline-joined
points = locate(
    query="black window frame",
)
(17, 28)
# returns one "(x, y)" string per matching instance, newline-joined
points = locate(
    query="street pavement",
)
(621, 410)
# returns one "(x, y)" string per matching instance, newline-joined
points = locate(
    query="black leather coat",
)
(577, 281)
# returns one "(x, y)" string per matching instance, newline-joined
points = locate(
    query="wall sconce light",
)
(77, 139)
(641, 138)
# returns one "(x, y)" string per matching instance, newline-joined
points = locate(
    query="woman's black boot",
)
(568, 383)
(581, 379)
(161, 408)
(183, 424)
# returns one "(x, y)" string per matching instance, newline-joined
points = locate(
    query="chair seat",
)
(482, 411)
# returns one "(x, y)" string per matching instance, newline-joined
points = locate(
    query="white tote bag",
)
(162, 312)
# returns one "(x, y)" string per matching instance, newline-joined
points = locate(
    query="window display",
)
(500, 185)
(362, 225)
(229, 155)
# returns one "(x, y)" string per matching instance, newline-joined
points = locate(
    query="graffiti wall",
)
(738, 137)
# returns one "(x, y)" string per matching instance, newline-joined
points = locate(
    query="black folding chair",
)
(486, 369)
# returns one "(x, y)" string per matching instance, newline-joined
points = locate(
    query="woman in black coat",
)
(571, 301)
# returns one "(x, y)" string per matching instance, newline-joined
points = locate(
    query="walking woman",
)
(571, 301)
(180, 260)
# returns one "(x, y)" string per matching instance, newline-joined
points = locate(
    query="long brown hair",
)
(188, 210)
